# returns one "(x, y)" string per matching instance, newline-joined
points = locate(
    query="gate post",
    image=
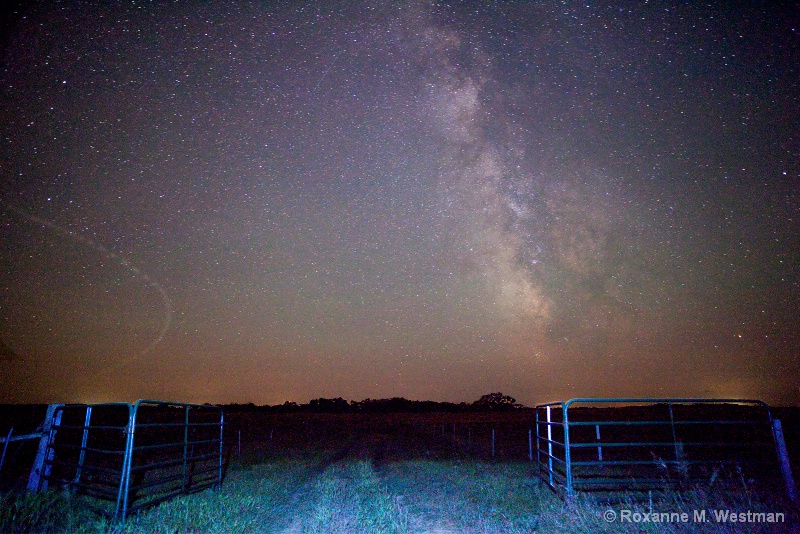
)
(121, 510)
(567, 454)
(84, 442)
(37, 479)
(783, 458)
(549, 446)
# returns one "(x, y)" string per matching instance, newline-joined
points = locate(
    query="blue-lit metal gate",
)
(612, 444)
(130, 456)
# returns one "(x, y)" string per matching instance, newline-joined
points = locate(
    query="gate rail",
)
(608, 444)
(134, 455)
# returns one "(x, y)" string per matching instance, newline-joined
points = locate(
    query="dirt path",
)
(349, 495)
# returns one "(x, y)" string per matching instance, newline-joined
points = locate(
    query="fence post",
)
(5, 447)
(221, 446)
(530, 446)
(599, 447)
(674, 435)
(783, 457)
(185, 448)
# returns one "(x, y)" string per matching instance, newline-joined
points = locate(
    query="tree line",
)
(491, 402)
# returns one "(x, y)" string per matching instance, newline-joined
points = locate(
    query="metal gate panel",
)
(609, 444)
(130, 456)
(175, 449)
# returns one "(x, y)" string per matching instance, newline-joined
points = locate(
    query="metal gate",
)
(129, 456)
(613, 444)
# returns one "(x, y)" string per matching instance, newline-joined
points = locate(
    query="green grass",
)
(45, 512)
(466, 496)
(334, 487)
(349, 497)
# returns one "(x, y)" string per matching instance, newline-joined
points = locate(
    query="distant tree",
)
(287, 407)
(246, 407)
(337, 405)
(401, 405)
(496, 402)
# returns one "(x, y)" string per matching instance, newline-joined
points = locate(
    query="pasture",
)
(405, 473)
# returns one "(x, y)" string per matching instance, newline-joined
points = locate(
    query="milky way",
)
(260, 203)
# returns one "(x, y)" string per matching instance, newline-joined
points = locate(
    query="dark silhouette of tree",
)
(287, 407)
(496, 402)
(488, 403)
(337, 405)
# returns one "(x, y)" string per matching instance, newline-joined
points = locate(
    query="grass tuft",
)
(45, 512)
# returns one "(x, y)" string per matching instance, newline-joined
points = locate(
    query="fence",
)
(639, 444)
(130, 455)
(12, 438)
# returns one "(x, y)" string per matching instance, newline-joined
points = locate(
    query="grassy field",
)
(318, 475)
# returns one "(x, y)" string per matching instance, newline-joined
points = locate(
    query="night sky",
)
(261, 202)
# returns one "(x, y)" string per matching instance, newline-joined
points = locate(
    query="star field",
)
(285, 201)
